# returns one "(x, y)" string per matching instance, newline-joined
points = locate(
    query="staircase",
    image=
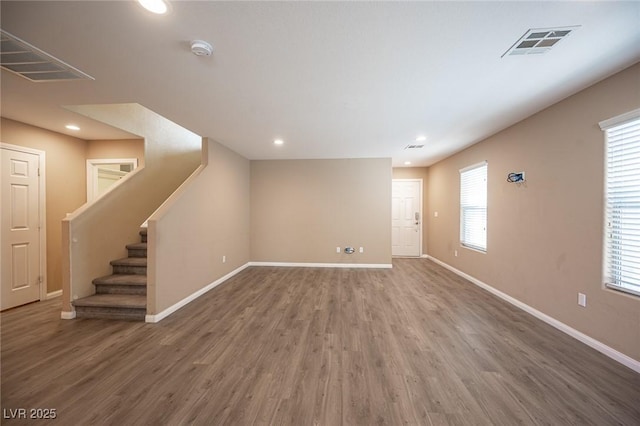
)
(122, 295)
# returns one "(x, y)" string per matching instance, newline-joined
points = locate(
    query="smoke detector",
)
(201, 48)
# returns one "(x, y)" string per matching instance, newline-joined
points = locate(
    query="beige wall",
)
(418, 173)
(301, 210)
(205, 219)
(545, 236)
(125, 148)
(65, 182)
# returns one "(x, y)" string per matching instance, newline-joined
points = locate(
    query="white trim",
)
(421, 203)
(473, 166)
(589, 341)
(620, 119)
(171, 309)
(92, 181)
(324, 265)
(464, 188)
(613, 238)
(67, 315)
(54, 294)
(42, 183)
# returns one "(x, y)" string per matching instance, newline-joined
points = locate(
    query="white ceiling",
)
(333, 79)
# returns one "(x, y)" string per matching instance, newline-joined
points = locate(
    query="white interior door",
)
(20, 222)
(406, 217)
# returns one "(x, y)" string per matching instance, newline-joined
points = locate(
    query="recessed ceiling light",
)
(72, 127)
(278, 142)
(421, 138)
(159, 7)
(407, 163)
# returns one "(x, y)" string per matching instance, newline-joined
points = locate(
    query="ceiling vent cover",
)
(19, 57)
(414, 146)
(539, 40)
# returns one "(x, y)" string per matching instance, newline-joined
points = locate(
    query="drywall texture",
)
(418, 173)
(545, 236)
(205, 219)
(98, 232)
(301, 210)
(123, 148)
(65, 183)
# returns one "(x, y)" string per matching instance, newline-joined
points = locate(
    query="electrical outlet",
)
(361, 249)
(455, 253)
(338, 250)
(582, 300)
(224, 259)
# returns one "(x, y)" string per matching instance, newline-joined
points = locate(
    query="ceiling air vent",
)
(539, 40)
(412, 146)
(19, 57)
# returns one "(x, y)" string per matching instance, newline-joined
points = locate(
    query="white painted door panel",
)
(406, 218)
(20, 222)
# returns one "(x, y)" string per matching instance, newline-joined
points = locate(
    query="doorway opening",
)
(102, 174)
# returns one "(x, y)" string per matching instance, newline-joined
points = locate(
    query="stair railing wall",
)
(201, 233)
(97, 232)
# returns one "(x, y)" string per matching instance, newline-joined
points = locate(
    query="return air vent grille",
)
(412, 146)
(19, 57)
(539, 40)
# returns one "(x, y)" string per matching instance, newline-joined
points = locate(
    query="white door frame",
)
(42, 211)
(92, 177)
(420, 180)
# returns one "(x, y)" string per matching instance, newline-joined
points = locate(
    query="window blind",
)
(622, 209)
(473, 206)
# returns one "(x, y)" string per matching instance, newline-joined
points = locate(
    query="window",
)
(473, 206)
(622, 203)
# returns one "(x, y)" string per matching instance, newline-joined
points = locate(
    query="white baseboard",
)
(171, 309)
(324, 265)
(589, 341)
(54, 294)
(68, 315)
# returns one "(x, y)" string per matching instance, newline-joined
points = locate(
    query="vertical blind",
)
(473, 206)
(622, 238)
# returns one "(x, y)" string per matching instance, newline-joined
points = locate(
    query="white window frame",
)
(469, 202)
(618, 270)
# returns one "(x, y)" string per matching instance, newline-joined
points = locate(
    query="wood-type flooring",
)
(413, 345)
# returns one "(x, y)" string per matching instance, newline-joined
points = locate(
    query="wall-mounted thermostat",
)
(515, 177)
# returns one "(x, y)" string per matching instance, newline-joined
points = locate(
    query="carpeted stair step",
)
(112, 306)
(122, 295)
(137, 250)
(121, 284)
(130, 265)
